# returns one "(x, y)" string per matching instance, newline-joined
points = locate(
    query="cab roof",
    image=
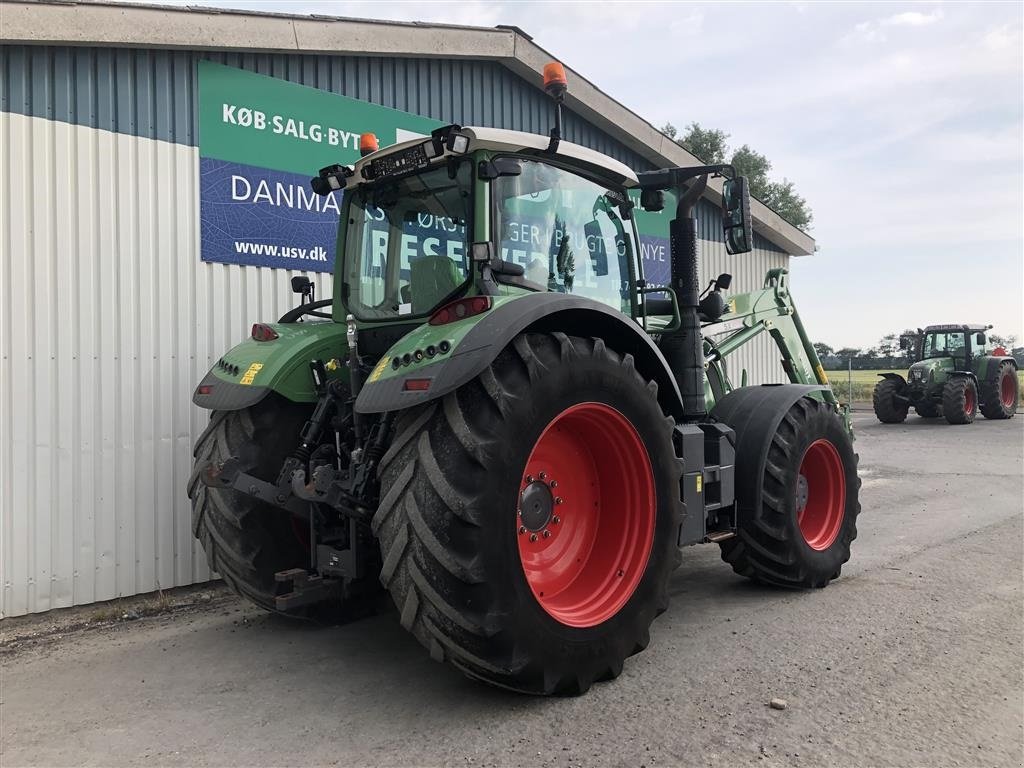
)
(501, 140)
(957, 327)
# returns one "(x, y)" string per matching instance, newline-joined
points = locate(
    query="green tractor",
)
(500, 423)
(956, 372)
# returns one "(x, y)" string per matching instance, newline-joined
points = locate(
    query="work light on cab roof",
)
(555, 85)
(368, 143)
(554, 79)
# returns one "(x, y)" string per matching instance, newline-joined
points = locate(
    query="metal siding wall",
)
(760, 357)
(109, 320)
(152, 93)
(108, 317)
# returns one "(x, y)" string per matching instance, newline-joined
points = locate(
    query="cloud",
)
(912, 19)
(873, 31)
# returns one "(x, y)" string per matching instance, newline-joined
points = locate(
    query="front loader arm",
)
(770, 309)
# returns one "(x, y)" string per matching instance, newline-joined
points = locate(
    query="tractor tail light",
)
(416, 385)
(460, 309)
(263, 332)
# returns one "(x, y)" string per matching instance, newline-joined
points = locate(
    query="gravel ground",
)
(913, 658)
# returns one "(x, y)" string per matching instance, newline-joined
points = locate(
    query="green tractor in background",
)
(500, 423)
(956, 372)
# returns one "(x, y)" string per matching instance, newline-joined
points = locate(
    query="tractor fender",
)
(754, 414)
(894, 377)
(969, 374)
(253, 369)
(988, 366)
(477, 341)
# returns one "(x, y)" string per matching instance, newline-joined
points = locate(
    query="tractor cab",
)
(957, 343)
(483, 212)
(497, 219)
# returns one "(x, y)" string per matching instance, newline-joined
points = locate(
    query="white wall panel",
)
(108, 319)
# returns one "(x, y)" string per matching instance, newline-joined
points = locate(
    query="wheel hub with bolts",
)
(537, 504)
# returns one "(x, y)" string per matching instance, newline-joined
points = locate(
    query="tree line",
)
(711, 147)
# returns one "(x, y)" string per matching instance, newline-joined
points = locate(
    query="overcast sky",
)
(900, 123)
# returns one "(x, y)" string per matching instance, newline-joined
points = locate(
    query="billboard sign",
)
(260, 141)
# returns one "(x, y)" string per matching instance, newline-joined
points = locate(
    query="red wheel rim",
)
(821, 494)
(968, 400)
(586, 512)
(1008, 389)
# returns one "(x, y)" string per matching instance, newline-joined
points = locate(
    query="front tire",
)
(888, 407)
(481, 571)
(999, 395)
(800, 534)
(960, 400)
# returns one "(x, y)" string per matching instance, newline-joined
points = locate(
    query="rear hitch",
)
(330, 487)
(229, 474)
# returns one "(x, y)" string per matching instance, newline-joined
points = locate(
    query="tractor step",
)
(714, 537)
(306, 589)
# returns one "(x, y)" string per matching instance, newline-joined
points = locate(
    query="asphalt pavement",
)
(914, 657)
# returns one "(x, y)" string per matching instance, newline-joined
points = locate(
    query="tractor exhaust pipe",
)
(684, 348)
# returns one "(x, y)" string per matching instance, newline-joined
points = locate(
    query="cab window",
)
(949, 344)
(567, 232)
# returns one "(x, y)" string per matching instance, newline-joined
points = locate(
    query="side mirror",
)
(500, 166)
(981, 339)
(302, 284)
(736, 222)
(723, 282)
(652, 200)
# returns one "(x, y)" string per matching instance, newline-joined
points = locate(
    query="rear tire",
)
(999, 395)
(460, 563)
(800, 535)
(927, 410)
(960, 400)
(247, 541)
(888, 408)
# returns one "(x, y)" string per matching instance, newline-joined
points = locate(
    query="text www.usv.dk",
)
(316, 253)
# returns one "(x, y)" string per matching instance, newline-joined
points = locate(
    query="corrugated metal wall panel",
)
(108, 317)
(760, 357)
(153, 93)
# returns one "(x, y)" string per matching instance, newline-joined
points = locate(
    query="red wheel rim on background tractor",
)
(1007, 389)
(968, 400)
(586, 514)
(821, 494)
